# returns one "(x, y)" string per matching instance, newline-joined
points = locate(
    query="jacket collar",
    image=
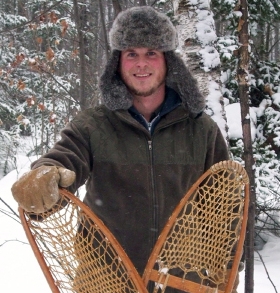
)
(171, 101)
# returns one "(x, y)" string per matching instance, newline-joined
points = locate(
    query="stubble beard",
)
(141, 93)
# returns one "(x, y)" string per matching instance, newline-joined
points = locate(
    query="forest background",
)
(53, 52)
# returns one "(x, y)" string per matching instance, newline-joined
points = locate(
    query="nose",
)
(141, 61)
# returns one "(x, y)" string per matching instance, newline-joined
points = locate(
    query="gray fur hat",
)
(142, 27)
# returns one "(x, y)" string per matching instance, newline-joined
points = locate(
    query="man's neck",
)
(148, 105)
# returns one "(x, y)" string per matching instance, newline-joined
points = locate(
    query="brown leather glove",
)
(37, 190)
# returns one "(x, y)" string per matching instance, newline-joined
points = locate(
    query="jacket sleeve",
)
(217, 149)
(72, 151)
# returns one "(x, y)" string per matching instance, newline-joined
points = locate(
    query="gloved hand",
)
(37, 190)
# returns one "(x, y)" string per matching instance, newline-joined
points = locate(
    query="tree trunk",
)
(197, 49)
(82, 68)
(242, 73)
(258, 41)
(142, 3)
(277, 42)
(92, 90)
(117, 7)
(102, 20)
(267, 42)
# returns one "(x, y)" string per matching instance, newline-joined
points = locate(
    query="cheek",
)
(125, 66)
(159, 65)
(161, 69)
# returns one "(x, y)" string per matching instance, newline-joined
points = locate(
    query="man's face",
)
(143, 70)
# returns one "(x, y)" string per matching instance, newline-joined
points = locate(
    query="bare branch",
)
(13, 212)
(6, 241)
(8, 215)
(266, 271)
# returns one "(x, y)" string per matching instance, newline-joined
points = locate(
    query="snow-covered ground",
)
(20, 272)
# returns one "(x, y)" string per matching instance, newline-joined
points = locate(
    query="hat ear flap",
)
(182, 81)
(114, 92)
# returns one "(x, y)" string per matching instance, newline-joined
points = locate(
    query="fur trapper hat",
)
(142, 27)
(114, 92)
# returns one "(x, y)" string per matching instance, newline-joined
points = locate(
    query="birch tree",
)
(196, 39)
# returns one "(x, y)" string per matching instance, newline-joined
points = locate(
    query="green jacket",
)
(134, 179)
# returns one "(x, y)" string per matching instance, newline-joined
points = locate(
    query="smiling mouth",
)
(142, 75)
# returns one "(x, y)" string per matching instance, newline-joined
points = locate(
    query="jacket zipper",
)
(154, 228)
(155, 215)
(149, 124)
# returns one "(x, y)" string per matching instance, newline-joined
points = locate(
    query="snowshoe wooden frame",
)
(207, 226)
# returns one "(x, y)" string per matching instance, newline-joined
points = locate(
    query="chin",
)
(142, 93)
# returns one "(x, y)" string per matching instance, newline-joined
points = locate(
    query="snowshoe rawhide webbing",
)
(205, 234)
(76, 252)
(202, 238)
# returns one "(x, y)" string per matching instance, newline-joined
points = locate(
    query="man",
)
(140, 151)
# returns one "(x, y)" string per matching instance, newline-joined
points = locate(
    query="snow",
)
(19, 269)
(276, 99)
(20, 272)
(233, 115)
(210, 57)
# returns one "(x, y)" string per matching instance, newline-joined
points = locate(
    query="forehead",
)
(140, 50)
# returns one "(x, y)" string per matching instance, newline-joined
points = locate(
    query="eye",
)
(131, 54)
(151, 53)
